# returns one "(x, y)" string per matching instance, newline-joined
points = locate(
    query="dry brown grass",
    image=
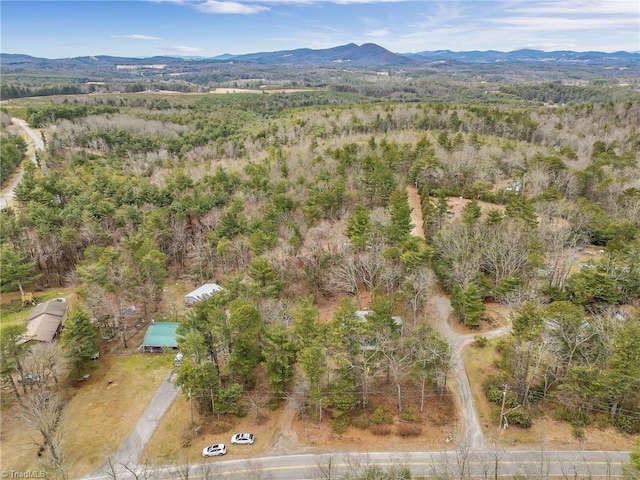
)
(98, 417)
(431, 429)
(409, 429)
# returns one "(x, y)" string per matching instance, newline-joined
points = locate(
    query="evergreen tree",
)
(78, 339)
(305, 315)
(15, 267)
(519, 207)
(400, 213)
(467, 303)
(12, 353)
(494, 217)
(267, 281)
(441, 211)
(471, 212)
(358, 228)
(633, 471)
(245, 322)
(279, 352)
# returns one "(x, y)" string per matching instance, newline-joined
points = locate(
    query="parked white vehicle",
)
(214, 450)
(242, 439)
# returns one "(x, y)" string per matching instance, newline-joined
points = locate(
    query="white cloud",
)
(238, 8)
(578, 7)
(357, 2)
(183, 49)
(136, 36)
(564, 24)
(379, 33)
(317, 2)
(256, 6)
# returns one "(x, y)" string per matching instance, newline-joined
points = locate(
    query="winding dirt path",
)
(35, 143)
(441, 306)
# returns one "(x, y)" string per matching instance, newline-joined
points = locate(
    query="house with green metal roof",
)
(160, 336)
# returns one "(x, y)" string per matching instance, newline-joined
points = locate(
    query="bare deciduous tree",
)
(400, 357)
(43, 363)
(369, 266)
(43, 411)
(460, 247)
(344, 276)
(562, 245)
(416, 288)
(505, 249)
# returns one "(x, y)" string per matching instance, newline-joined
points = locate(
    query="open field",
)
(99, 414)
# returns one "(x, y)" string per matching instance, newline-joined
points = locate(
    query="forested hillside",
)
(294, 200)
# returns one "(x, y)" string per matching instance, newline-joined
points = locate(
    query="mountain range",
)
(368, 55)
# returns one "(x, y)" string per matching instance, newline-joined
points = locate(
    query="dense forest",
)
(288, 200)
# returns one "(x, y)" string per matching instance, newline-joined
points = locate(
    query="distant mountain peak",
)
(367, 55)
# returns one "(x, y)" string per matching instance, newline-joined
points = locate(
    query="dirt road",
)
(36, 143)
(441, 306)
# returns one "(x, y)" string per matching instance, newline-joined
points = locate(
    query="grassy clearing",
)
(168, 442)
(99, 416)
(172, 308)
(103, 411)
(168, 445)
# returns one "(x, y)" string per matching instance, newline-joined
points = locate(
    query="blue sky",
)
(140, 28)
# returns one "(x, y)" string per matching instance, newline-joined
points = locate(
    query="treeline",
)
(342, 362)
(584, 366)
(39, 117)
(9, 91)
(559, 93)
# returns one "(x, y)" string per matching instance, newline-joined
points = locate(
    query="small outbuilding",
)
(46, 320)
(201, 293)
(159, 336)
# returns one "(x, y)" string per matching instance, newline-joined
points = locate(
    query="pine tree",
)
(15, 267)
(467, 302)
(400, 213)
(471, 212)
(78, 340)
(358, 228)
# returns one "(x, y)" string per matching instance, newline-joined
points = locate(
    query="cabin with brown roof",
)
(46, 320)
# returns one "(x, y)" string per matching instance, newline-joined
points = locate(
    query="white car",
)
(214, 450)
(242, 439)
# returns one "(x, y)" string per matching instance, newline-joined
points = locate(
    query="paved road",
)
(456, 464)
(6, 197)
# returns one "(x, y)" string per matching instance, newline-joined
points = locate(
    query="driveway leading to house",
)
(441, 305)
(128, 455)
